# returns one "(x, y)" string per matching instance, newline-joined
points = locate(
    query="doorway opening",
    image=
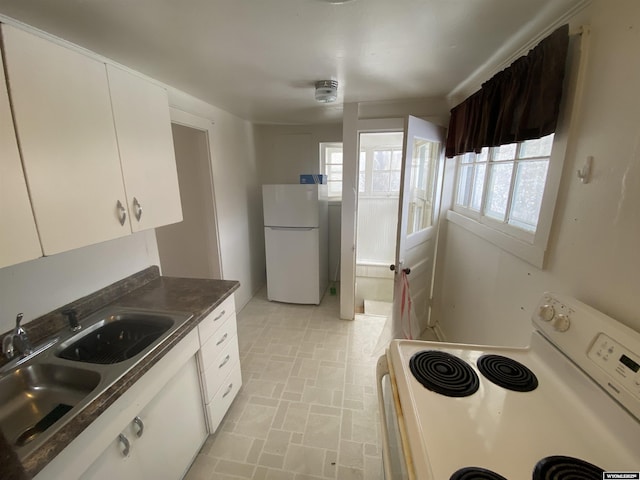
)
(190, 248)
(379, 177)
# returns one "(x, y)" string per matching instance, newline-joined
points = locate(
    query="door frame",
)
(185, 119)
(351, 128)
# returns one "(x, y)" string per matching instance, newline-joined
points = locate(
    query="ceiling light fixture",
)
(326, 91)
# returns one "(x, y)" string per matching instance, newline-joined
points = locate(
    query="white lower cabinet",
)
(219, 362)
(162, 440)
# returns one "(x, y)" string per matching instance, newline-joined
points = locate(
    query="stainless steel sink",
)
(117, 338)
(42, 393)
(34, 397)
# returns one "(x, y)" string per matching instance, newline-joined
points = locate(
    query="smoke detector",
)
(326, 91)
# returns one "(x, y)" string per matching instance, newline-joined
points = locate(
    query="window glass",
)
(505, 183)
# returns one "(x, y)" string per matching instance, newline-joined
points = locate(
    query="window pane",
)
(334, 170)
(361, 182)
(505, 152)
(363, 161)
(381, 159)
(396, 160)
(335, 158)
(467, 157)
(540, 147)
(478, 187)
(483, 155)
(464, 185)
(380, 182)
(498, 190)
(395, 182)
(335, 189)
(527, 194)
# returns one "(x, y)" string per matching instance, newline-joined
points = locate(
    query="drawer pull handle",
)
(229, 388)
(224, 362)
(125, 443)
(224, 337)
(137, 209)
(122, 212)
(220, 316)
(138, 423)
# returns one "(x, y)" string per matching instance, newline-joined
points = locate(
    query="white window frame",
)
(528, 246)
(324, 147)
(368, 172)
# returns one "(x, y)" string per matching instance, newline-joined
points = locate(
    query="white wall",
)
(44, 284)
(487, 295)
(286, 151)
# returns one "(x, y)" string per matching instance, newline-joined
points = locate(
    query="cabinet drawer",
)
(221, 338)
(221, 402)
(214, 374)
(215, 319)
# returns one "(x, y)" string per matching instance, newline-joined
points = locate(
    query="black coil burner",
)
(475, 473)
(566, 468)
(444, 373)
(507, 373)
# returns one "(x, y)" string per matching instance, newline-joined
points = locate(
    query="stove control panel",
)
(605, 349)
(619, 362)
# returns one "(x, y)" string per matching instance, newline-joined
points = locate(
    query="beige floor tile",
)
(308, 406)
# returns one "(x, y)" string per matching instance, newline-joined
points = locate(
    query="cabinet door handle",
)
(224, 337)
(122, 212)
(224, 362)
(229, 388)
(137, 208)
(125, 443)
(220, 316)
(138, 423)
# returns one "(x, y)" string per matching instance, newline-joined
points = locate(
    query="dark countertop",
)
(143, 290)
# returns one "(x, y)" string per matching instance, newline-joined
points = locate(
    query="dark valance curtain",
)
(519, 103)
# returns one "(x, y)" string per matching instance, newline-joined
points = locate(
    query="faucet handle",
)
(18, 320)
(72, 317)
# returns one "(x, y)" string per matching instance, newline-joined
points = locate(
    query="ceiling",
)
(259, 59)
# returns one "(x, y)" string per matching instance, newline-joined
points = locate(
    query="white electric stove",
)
(566, 407)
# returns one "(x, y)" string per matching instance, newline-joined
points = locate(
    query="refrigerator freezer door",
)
(291, 205)
(293, 265)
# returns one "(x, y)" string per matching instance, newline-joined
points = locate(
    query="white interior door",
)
(418, 209)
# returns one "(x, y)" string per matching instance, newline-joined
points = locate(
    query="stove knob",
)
(546, 312)
(561, 322)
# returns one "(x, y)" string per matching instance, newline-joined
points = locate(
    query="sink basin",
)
(34, 397)
(115, 339)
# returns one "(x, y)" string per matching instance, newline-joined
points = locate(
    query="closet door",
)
(64, 126)
(18, 236)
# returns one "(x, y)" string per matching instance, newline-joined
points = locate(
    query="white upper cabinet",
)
(143, 128)
(18, 236)
(62, 112)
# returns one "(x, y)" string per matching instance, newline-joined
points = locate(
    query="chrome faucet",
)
(16, 343)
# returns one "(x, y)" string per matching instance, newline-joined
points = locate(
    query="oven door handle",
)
(382, 369)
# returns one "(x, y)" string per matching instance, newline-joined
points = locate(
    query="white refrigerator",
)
(296, 242)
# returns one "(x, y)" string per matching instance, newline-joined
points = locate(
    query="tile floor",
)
(308, 406)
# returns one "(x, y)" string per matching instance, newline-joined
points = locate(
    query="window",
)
(503, 186)
(331, 166)
(380, 171)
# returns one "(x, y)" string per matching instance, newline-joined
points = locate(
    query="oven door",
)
(396, 463)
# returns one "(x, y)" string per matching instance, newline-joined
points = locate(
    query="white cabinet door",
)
(143, 127)
(163, 439)
(18, 235)
(174, 427)
(113, 464)
(64, 125)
